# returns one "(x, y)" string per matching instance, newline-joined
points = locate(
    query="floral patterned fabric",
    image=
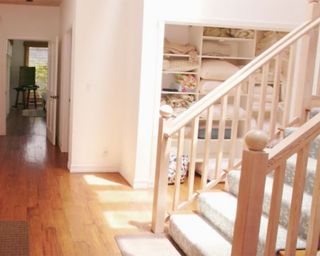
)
(172, 170)
(187, 82)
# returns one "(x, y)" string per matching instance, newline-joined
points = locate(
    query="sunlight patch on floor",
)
(127, 219)
(113, 196)
(97, 181)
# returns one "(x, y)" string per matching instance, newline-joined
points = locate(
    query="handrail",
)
(175, 124)
(294, 142)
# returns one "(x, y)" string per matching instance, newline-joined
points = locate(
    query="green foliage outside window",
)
(41, 77)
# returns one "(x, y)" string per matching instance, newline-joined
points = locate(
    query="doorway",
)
(32, 81)
(27, 81)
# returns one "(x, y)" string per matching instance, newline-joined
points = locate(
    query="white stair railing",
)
(234, 106)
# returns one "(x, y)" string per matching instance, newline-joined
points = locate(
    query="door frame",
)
(65, 89)
(3, 77)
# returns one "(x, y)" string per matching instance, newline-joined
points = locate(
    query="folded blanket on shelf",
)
(178, 101)
(227, 32)
(267, 39)
(182, 65)
(218, 32)
(213, 48)
(242, 33)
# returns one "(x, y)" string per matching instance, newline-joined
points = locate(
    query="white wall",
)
(115, 86)
(259, 14)
(17, 60)
(99, 75)
(23, 22)
(130, 92)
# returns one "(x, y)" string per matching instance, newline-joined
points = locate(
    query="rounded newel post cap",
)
(166, 111)
(256, 140)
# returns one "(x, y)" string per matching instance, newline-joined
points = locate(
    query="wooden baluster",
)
(251, 191)
(288, 88)
(205, 165)
(317, 69)
(235, 124)
(249, 102)
(263, 93)
(176, 198)
(274, 212)
(296, 201)
(275, 96)
(161, 175)
(193, 156)
(314, 223)
(221, 132)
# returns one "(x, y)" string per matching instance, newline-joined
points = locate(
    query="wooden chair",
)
(27, 84)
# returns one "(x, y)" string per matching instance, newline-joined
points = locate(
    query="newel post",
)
(161, 175)
(251, 191)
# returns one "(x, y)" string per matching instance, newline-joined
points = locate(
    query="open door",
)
(52, 96)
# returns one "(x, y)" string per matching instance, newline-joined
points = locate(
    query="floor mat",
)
(14, 238)
(146, 245)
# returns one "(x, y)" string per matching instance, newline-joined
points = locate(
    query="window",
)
(36, 55)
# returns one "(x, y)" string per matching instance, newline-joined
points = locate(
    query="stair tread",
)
(311, 170)
(286, 202)
(196, 237)
(314, 146)
(223, 218)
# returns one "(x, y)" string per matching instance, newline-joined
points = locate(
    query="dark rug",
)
(14, 238)
(39, 112)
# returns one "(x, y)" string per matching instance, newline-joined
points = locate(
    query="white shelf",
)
(180, 93)
(226, 57)
(177, 55)
(216, 38)
(179, 72)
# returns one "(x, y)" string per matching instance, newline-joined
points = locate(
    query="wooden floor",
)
(68, 214)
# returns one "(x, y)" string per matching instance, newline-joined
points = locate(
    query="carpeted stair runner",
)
(210, 232)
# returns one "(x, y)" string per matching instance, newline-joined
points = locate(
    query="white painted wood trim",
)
(92, 169)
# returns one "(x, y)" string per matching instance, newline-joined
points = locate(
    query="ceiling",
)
(34, 2)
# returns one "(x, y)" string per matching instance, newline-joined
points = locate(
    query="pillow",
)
(173, 168)
(217, 69)
(207, 86)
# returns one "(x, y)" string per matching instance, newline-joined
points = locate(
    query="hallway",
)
(76, 214)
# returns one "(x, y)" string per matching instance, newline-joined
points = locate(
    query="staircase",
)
(199, 234)
(272, 200)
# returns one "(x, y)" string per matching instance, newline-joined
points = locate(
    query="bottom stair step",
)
(196, 237)
(220, 210)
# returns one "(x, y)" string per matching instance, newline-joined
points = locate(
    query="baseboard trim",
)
(91, 169)
(141, 184)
